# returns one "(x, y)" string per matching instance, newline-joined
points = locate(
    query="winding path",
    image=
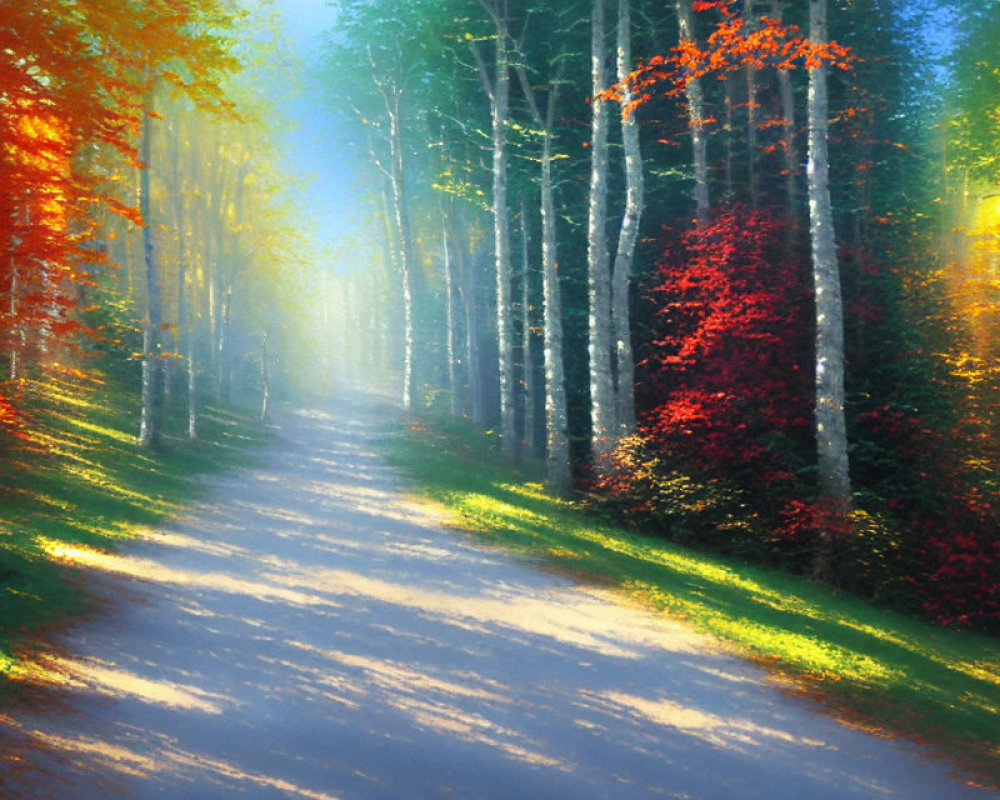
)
(306, 632)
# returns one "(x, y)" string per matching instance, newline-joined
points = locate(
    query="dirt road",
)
(306, 632)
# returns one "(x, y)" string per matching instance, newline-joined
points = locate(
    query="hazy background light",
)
(327, 190)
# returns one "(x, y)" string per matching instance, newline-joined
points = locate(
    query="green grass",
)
(894, 674)
(82, 481)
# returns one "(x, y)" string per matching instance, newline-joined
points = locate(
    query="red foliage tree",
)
(74, 76)
(731, 46)
(727, 373)
(59, 93)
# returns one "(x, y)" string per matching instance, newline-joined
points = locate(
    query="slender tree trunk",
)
(499, 93)
(226, 345)
(831, 434)
(149, 424)
(14, 289)
(185, 337)
(401, 216)
(466, 284)
(393, 273)
(265, 381)
(791, 154)
(234, 257)
(557, 456)
(602, 394)
(753, 188)
(502, 241)
(527, 336)
(696, 111)
(557, 463)
(472, 344)
(627, 238)
(177, 198)
(192, 388)
(449, 315)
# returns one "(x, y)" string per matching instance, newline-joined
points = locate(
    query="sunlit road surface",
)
(307, 632)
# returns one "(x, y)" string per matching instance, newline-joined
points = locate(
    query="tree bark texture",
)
(498, 91)
(831, 431)
(149, 423)
(449, 315)
(557, 466)
(602, 394)
(557, 460)
(527, 335)
(405, 244)
(627, 237)
(695, 96)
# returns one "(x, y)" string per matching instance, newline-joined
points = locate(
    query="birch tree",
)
(450, 311)
(831, 429)
(377, 66)
(695, 96)
(497, 88)
(602, 394)
(149, 419)
(391, 89)
(628, 234)
(557, 460)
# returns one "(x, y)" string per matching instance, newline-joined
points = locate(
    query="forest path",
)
(307, 632)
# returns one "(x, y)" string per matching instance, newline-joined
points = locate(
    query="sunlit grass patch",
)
(879, 669)
(125, 437)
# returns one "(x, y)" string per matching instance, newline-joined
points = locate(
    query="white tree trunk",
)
(149, 423)
(557, 466)
(185, 337)
(472, 342)
(501, 233)
(557, 460)
(498, 91)
(265, 383)
(696, 111)
(449, 316)
(469, 344)
(627, 237)
(831, 433)
(602, 394)
(192, 389)
(527, 336)
(404, 242)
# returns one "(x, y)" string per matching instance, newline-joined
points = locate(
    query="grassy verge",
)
(893, 674)
(81, 480)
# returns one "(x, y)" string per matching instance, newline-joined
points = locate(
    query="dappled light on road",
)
(309, 632)
(100, 677)
(155, 571)
(712, 728)
(169, 762)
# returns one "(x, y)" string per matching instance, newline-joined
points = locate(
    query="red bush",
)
(962, 583)
(727, 371)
